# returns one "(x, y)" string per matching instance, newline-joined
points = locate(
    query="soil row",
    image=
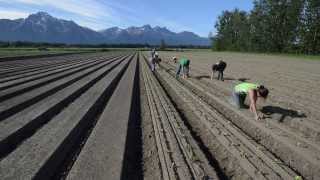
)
(52, 115)
(297, 153)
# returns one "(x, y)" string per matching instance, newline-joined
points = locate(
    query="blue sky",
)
(177, 15)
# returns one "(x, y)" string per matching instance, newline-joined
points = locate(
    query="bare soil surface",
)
(108, 116)
(291, 123)
(179, 154)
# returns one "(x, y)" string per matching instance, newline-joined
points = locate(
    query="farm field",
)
(25, 52)
(290, 130)
(107, 116)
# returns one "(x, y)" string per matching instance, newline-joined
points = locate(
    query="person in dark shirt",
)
(220, 67)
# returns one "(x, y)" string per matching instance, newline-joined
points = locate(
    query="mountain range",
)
(42, 27)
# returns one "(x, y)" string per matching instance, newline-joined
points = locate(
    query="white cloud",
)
(30, 2)
(172, 25)
(91, 13)
(95, 14)
(11, 14)
(93, 24)
(88, 8)
(117, 6)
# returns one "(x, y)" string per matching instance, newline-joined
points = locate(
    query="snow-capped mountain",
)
(148, 35)
(41, 27)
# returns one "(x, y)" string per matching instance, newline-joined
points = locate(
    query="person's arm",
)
(253, 103)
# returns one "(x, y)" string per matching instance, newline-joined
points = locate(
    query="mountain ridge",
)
(42, 27)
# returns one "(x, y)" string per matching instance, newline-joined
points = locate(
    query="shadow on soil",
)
(235, 79)
(226, 79)
(243, 79)
(168, 70)
(202, 77)
(132, 162)
(270, 110)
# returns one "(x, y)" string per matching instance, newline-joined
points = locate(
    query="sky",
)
(177, 15)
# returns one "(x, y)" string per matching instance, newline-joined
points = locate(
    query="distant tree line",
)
(281, 26)
(61, 45)
(29, 44)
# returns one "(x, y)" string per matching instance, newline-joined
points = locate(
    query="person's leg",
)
(178, 71)
(236, 98)
(219, 75)
(152, 67)
(222, 79)
(242, 98)
(187, 71)
(183, 70)
(239, 99)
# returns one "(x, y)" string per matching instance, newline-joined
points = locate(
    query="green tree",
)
(310, 27)
(274, 24)
(259, 27)
(232, 31)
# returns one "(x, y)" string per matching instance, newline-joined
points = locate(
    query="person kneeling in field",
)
(184, 66)
(220, 67)
(254, 91)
